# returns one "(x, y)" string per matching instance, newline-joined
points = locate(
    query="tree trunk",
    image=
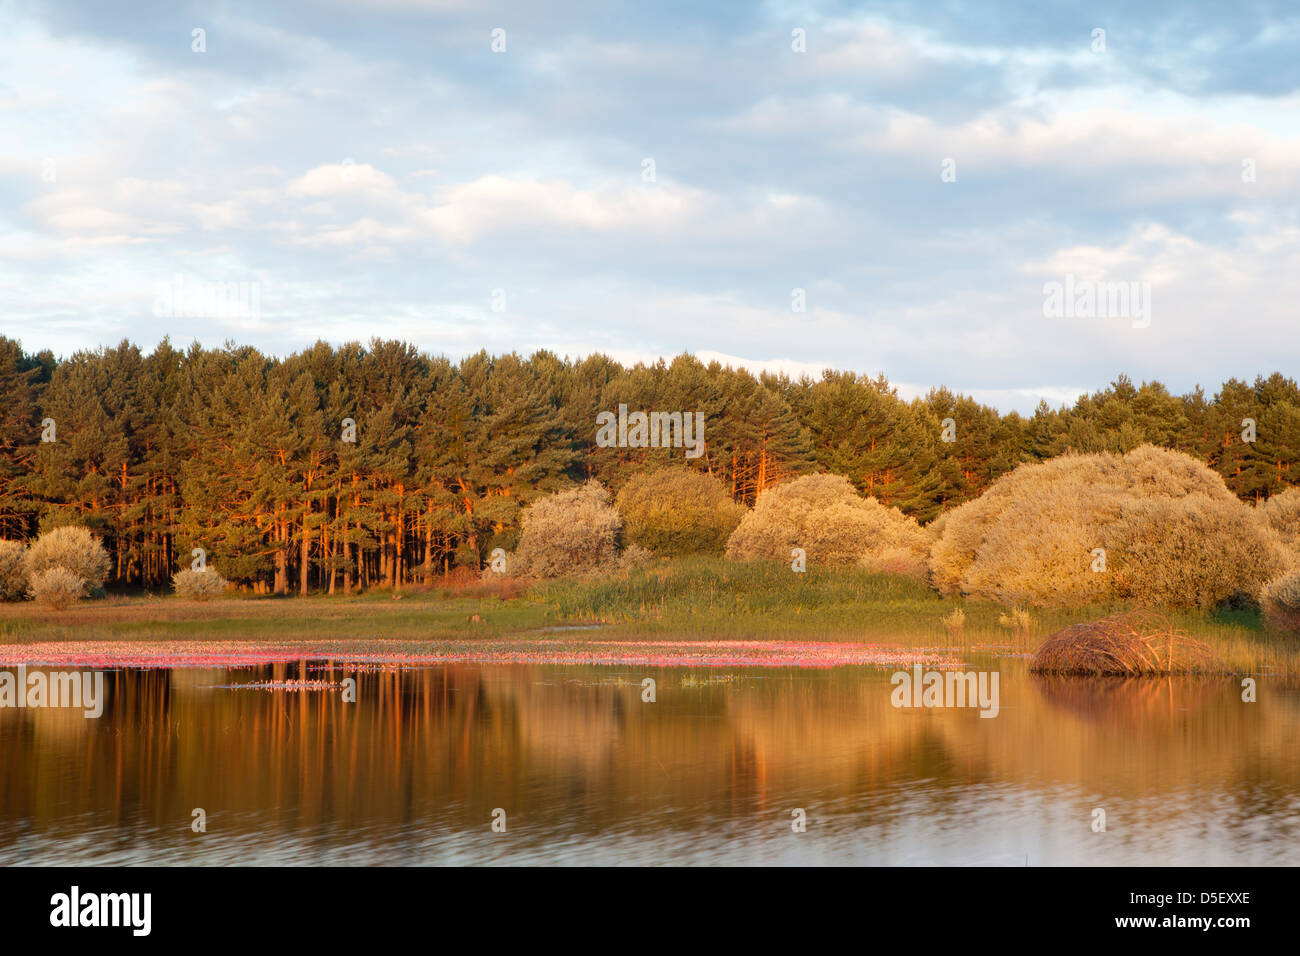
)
(304, 556)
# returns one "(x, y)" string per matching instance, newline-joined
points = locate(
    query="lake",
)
(586, 772)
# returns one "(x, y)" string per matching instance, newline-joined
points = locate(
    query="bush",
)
(198, 585)
(73, 548)
(13, 571)
(1280, 601)
(825, 516)
(677, 511)
(570, 532)
(1192, 551)
(1172, 533)
(633, 556)
(1282, 512)
(1039, 551)
(906, 561)
(57, 587)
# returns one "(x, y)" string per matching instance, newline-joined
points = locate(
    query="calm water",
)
(709, 773)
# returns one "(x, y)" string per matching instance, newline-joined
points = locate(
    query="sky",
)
(886, 187)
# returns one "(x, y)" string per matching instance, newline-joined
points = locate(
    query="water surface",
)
(586, 772)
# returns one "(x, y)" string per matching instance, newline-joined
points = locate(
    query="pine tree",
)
(22, 380)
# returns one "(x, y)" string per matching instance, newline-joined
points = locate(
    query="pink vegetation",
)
(100, 654)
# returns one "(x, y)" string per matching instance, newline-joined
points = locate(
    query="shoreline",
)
(665, 603)
(659, 654)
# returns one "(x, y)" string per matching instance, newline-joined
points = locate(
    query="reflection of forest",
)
(564, 746)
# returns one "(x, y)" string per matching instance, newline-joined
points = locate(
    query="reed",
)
(1131, 644)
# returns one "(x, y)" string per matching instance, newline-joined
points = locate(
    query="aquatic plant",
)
(1018, 620)
(145, 654)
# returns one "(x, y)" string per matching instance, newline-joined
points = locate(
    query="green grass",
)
(690, 598)
(426, 615)
(693, 596)
(712, 598)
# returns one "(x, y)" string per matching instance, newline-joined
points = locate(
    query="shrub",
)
(570, 532)
(1191, 551)
(73, 548)
(1280, 601)
(198, 585)
(13, 571)
(825, 516)
(1039, 550)
(56, 587)
(677, 511)
(1282, 512)
(1172, 533)
(633, 556)
(909, 561)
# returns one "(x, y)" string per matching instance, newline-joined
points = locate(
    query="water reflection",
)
(587, 772)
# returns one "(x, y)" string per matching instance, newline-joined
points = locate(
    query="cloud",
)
(380, 171)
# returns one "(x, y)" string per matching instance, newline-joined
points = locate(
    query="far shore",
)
(708, 601)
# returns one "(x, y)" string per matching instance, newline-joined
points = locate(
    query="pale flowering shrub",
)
(1282, 512)
(825, 516)
(960, 533)
(1151, 470)
(909, 561)
(1280, 601)
(1039, 550)
(1192, 551)
(56, 588)
(73, 548)
(13, 571)
(633, 556)
(1169, 530)
(198, 585)
(571, 532)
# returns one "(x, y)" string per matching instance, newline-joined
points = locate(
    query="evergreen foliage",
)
(242, 454)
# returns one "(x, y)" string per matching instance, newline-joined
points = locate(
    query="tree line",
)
(351, 466)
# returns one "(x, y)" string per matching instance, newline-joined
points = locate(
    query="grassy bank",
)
(722, 599)
(688, 598)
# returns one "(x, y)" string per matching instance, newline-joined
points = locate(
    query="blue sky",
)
(377, 169)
